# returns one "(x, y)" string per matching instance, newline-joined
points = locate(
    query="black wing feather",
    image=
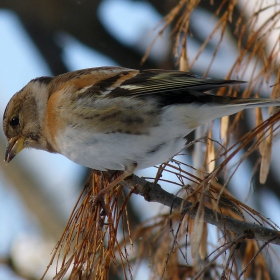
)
(170, 87)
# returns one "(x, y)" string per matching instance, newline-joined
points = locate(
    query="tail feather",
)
(253, 102)
(221, 106)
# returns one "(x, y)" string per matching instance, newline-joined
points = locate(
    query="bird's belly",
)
(118, 151)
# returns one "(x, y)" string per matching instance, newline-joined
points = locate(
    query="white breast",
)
(116, 151)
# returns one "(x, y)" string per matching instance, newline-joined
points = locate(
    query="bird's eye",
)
(15, 121)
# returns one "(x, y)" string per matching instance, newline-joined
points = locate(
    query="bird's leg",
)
(119, 179)
(93, 198)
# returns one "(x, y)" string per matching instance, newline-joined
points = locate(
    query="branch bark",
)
(154, 193)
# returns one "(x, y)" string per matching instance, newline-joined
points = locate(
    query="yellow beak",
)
(15, 145)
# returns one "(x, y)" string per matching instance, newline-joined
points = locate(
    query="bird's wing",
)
(178, 87)
(165, 86)
(168, 87)
(163, 80)
(118, 82)
(156, 81)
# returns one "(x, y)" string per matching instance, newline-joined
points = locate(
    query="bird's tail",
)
(221, 106)
(252, 102)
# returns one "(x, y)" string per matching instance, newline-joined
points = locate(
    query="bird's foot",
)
(95, 199)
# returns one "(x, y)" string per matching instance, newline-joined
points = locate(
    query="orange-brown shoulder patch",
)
(54, 125)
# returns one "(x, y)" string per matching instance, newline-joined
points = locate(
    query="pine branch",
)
(154, 193)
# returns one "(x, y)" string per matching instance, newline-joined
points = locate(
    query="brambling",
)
(113, 118)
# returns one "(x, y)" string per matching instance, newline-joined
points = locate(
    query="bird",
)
(115, 118)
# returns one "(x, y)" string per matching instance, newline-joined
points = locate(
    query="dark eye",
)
(14, 121)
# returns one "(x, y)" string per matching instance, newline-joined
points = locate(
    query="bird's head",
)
(24, 117)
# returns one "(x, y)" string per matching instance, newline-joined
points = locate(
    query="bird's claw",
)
(100, 199)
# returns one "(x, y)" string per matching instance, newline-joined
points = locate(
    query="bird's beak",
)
(15, 145)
